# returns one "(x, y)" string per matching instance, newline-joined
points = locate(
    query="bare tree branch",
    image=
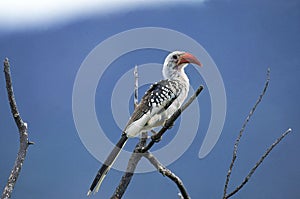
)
(135, 156)
(22, 126)
(258, 163)
(166, 172)
(140, 148)
(225, 195)
(242, 131)
(136, 87)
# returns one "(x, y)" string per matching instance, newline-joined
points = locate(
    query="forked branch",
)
(142, 150)
(234, 155)
(258, 163)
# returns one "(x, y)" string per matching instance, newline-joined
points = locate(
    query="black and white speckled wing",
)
(156, 100)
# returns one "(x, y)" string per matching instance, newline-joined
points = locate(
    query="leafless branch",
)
(136, 86)
(166, 172)
(242, 131)
(135, 156)
(225, 195)
(22, 126)
(140, 148)
(258, 163)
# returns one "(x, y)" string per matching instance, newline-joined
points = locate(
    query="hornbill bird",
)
(158, 104)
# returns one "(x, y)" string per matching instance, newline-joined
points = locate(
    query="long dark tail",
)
(107, 165)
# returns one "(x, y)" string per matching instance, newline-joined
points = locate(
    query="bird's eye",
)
(174, 57)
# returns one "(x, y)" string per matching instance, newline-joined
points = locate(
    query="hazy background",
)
(46, 42)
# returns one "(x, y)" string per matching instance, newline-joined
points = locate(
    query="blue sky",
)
(244, 38)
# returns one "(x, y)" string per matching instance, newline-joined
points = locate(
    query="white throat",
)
(169, 72)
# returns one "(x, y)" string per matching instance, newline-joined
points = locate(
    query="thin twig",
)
(234, 155)
(166, 172)
(136, 86)
(258, 163)
(22, 126)
(169, 123)
(135, 156)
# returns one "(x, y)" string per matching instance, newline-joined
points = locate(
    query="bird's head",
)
(175, 63)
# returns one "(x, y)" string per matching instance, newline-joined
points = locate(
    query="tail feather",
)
(107, 165)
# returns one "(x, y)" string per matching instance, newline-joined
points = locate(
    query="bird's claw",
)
(158, 140)
(171, 125)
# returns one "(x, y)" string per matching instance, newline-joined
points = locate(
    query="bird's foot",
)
(154, 136)
(171, 125)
